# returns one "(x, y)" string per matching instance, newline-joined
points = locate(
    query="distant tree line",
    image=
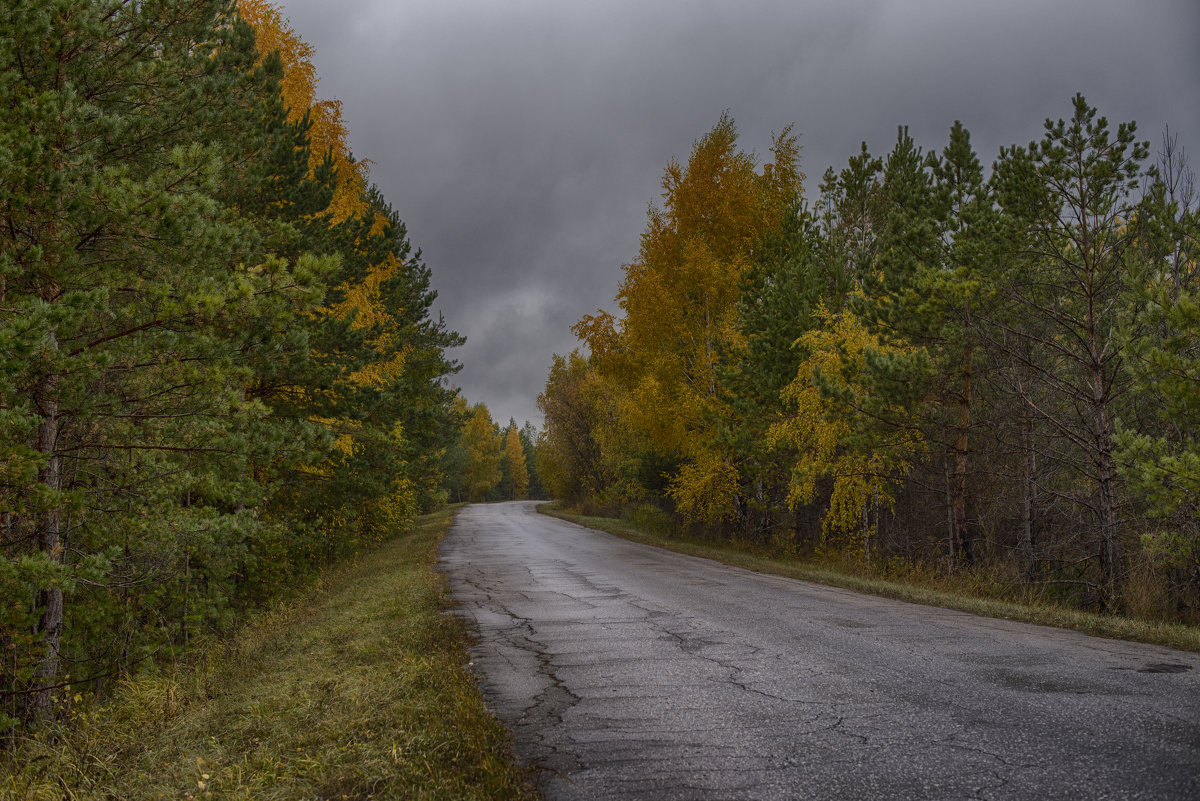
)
(931, 366)
(490, 463)
(218, 366)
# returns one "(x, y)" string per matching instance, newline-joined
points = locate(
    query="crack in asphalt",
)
(632, 673)
(545, 709)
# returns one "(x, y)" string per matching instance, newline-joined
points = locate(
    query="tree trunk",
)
(1106, 475)
(1029, 495)
(50, 599)
(187, 587)
(951, 551)
(1106, 468)
(1029, 521)
(958, 487)
(866, 531)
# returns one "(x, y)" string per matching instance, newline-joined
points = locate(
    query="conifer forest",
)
(218, 365)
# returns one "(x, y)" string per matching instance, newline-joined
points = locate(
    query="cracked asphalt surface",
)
(630, 672)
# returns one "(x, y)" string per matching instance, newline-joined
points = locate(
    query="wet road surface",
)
(629, 672)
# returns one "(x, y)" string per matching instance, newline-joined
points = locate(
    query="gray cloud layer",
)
(522, 141)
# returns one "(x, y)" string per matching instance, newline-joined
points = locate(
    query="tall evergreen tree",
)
(123, 269)
(211, 378)
(934, 256)
(1069, 202)
(529, 439)
(1159, 442)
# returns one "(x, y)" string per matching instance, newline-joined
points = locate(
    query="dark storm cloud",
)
(522, 141)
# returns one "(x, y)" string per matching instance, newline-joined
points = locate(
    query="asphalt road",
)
(629, 672)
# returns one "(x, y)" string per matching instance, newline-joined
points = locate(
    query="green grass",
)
(957, 596)
(359, 689)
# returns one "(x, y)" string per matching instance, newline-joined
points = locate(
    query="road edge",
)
(1170, 635)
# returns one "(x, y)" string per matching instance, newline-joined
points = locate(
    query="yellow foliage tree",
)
(570, 460)
(679, 297)
(328, 134)
(329, 137)
(833, 439)
(363, 299)
(679, 303)
(514, 458)
(706, 487)
(483, 453)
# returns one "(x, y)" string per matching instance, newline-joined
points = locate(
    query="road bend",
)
(630, 672)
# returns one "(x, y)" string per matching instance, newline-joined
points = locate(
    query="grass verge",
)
(1174, 635)
(358, 690)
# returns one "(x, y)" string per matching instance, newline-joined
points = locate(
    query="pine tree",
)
(849, 215)
(937, 227)
(123, 270)
(529, 439)
(1159, 443)
(1072, 218)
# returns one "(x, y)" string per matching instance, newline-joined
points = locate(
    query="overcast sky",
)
(522, 141)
